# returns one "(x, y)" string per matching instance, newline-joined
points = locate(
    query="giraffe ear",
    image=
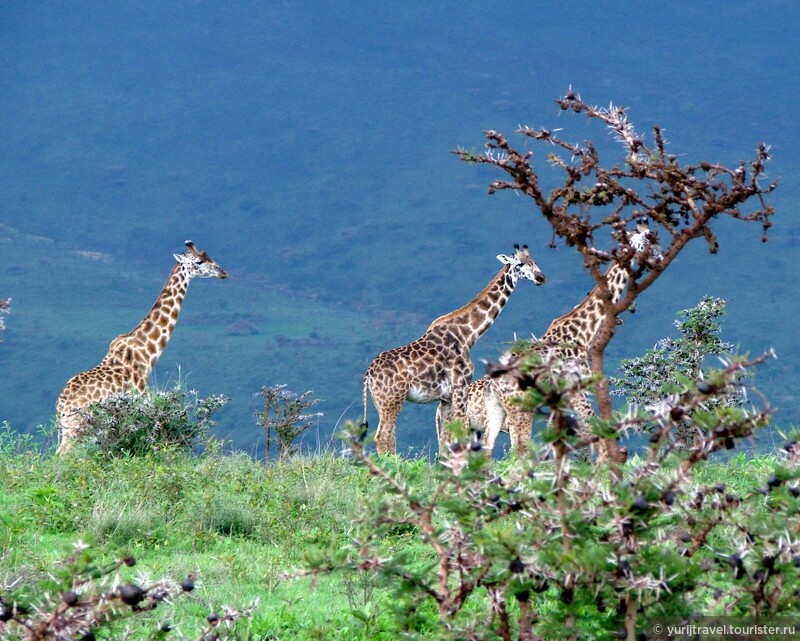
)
(506, 260)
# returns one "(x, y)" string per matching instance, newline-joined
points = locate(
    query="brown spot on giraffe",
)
(131, 357)
(437, 366)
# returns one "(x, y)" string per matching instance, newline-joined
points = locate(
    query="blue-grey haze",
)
(307, 146)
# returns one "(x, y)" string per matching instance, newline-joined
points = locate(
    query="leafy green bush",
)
(135, 424)
(656, 376)
(563, 549)
(13, 442)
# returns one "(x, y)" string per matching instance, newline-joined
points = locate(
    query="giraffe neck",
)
(579, 327)
(473, 319)
(142, 346)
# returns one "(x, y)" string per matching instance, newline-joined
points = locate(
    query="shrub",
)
(12, 442)
(284, 418)
(228, 518)
(650, 379)
(558, 548)
(125, 525)
(135, 424)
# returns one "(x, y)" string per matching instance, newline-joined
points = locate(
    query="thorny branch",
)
(95, 598)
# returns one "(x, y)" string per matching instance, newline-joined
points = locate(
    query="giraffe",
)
(490, 404)
(437, 366)
(132, 356)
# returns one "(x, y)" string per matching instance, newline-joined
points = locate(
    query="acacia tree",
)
(682, 201)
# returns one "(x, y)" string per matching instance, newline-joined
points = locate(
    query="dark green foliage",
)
(557, 548)
(675, 363)
(135, 424)
(284, 418)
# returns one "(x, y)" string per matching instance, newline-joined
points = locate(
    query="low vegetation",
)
(325, 547)
(238, 527)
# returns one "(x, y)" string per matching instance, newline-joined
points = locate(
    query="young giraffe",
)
(131, 357)
(437, 366)
(489, 399)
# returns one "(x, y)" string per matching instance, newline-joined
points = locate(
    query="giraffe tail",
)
(364, 423)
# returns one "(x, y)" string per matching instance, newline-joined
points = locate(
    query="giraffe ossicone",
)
(131, 357)
(565, 345)
(437, 366)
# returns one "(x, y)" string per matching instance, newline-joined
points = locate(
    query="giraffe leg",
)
(68, 431)
(495, 417)
(476, 408)
(582, 406)
(386, 434)
(457, 412)
(444, 412)
(519, 422)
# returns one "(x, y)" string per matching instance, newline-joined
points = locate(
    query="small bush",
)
(125, 525)
(136, 424)
(285, 417)
(12, 442)
(228, 518)
(656, 376)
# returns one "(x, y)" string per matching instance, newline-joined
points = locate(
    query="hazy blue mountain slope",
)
(307, 147)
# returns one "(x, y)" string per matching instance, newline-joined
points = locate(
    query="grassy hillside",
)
(235, 523)
(242, 527)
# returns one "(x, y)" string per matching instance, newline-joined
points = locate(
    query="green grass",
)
(241, 526)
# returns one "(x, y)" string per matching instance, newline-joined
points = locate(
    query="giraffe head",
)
(521, 265)
(198, 264)
(641, 241)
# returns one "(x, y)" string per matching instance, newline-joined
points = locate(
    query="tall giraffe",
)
(437, 366)
(132, 356)
(490, 405)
